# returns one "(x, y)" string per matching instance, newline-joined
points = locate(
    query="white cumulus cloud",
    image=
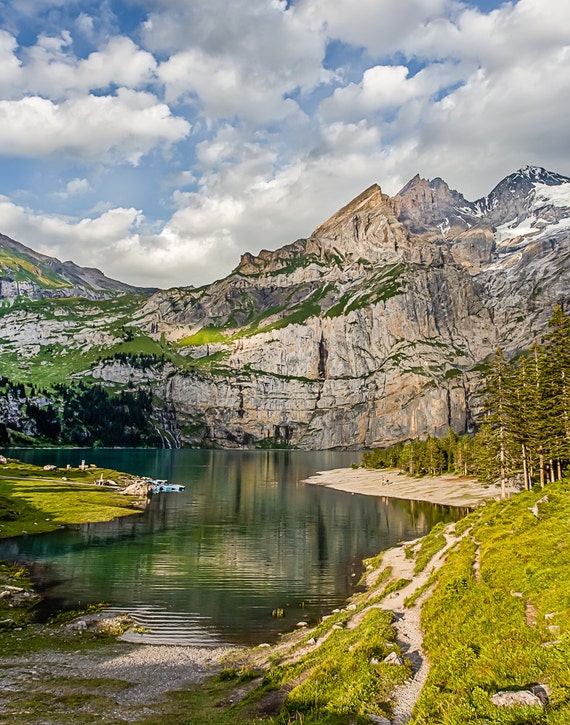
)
(241, 58)
(280, 112)
(126, 126)
(379, 26)
(51, 70)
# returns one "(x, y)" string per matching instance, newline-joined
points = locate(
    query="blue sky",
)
(160, 139)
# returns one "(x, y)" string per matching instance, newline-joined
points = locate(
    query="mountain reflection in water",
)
(211, 564)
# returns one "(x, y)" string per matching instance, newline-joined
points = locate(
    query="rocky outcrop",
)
(518, 698)
(371, 330)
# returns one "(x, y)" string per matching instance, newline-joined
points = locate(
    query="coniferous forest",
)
(82, 415)
(524, 427)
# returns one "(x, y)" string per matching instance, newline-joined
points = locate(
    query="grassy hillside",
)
(499, 618)
(21, 268)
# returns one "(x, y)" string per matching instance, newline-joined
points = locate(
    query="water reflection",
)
(245, 538)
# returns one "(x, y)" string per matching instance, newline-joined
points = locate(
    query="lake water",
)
(210, 565)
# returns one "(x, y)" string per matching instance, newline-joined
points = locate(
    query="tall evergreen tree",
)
(556, 347)
(498, 414)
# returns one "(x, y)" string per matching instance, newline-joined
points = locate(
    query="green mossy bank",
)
(499, 616)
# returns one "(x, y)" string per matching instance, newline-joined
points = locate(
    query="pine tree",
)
(557, 366)
(525, 413)
(485, 454)
(497, 406)
(450, 448)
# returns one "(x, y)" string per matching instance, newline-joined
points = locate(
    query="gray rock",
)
(521, 698)
(542, 692)
(363, 334)
(80, 625)
(393, 659)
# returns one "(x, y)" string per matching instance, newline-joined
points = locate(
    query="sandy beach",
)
(446, 490)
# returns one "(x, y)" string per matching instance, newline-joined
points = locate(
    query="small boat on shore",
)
(158, 485)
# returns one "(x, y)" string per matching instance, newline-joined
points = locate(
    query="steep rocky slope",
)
(369, 331)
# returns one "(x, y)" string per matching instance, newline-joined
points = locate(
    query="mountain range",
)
(371, 330)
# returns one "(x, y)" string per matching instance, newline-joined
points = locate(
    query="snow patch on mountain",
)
(515, 228)
(558, 196)
(560, 227)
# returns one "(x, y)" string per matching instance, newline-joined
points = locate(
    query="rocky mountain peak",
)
(371, 199)
(540, 175)
(350, 233)
(425, 205)
(515, 197)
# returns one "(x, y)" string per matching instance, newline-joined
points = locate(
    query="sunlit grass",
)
(509, 627)
(33, 500)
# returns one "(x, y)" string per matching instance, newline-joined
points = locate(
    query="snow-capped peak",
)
(538, 174)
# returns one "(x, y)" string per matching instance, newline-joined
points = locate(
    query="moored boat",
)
(158, 485)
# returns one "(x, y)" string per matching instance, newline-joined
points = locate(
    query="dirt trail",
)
(407, 621)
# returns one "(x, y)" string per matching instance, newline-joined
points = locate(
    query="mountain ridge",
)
(50, 274)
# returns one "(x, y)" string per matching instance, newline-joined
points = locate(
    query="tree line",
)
(84, 415)
(524, 427)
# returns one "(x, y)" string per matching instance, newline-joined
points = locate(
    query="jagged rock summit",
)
(370, 330)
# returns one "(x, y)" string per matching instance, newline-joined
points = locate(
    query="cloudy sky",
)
(159, 139)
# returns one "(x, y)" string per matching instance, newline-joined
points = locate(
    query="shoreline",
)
(447, 490)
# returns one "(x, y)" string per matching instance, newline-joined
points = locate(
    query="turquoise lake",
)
(210, 565)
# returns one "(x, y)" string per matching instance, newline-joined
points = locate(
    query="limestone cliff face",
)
(369, 331)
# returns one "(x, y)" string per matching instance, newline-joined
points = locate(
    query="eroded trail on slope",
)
(408, 622)
(397, 569)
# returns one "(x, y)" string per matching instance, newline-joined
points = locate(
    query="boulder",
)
(520, 698)
(139, 488)
(394, 659)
